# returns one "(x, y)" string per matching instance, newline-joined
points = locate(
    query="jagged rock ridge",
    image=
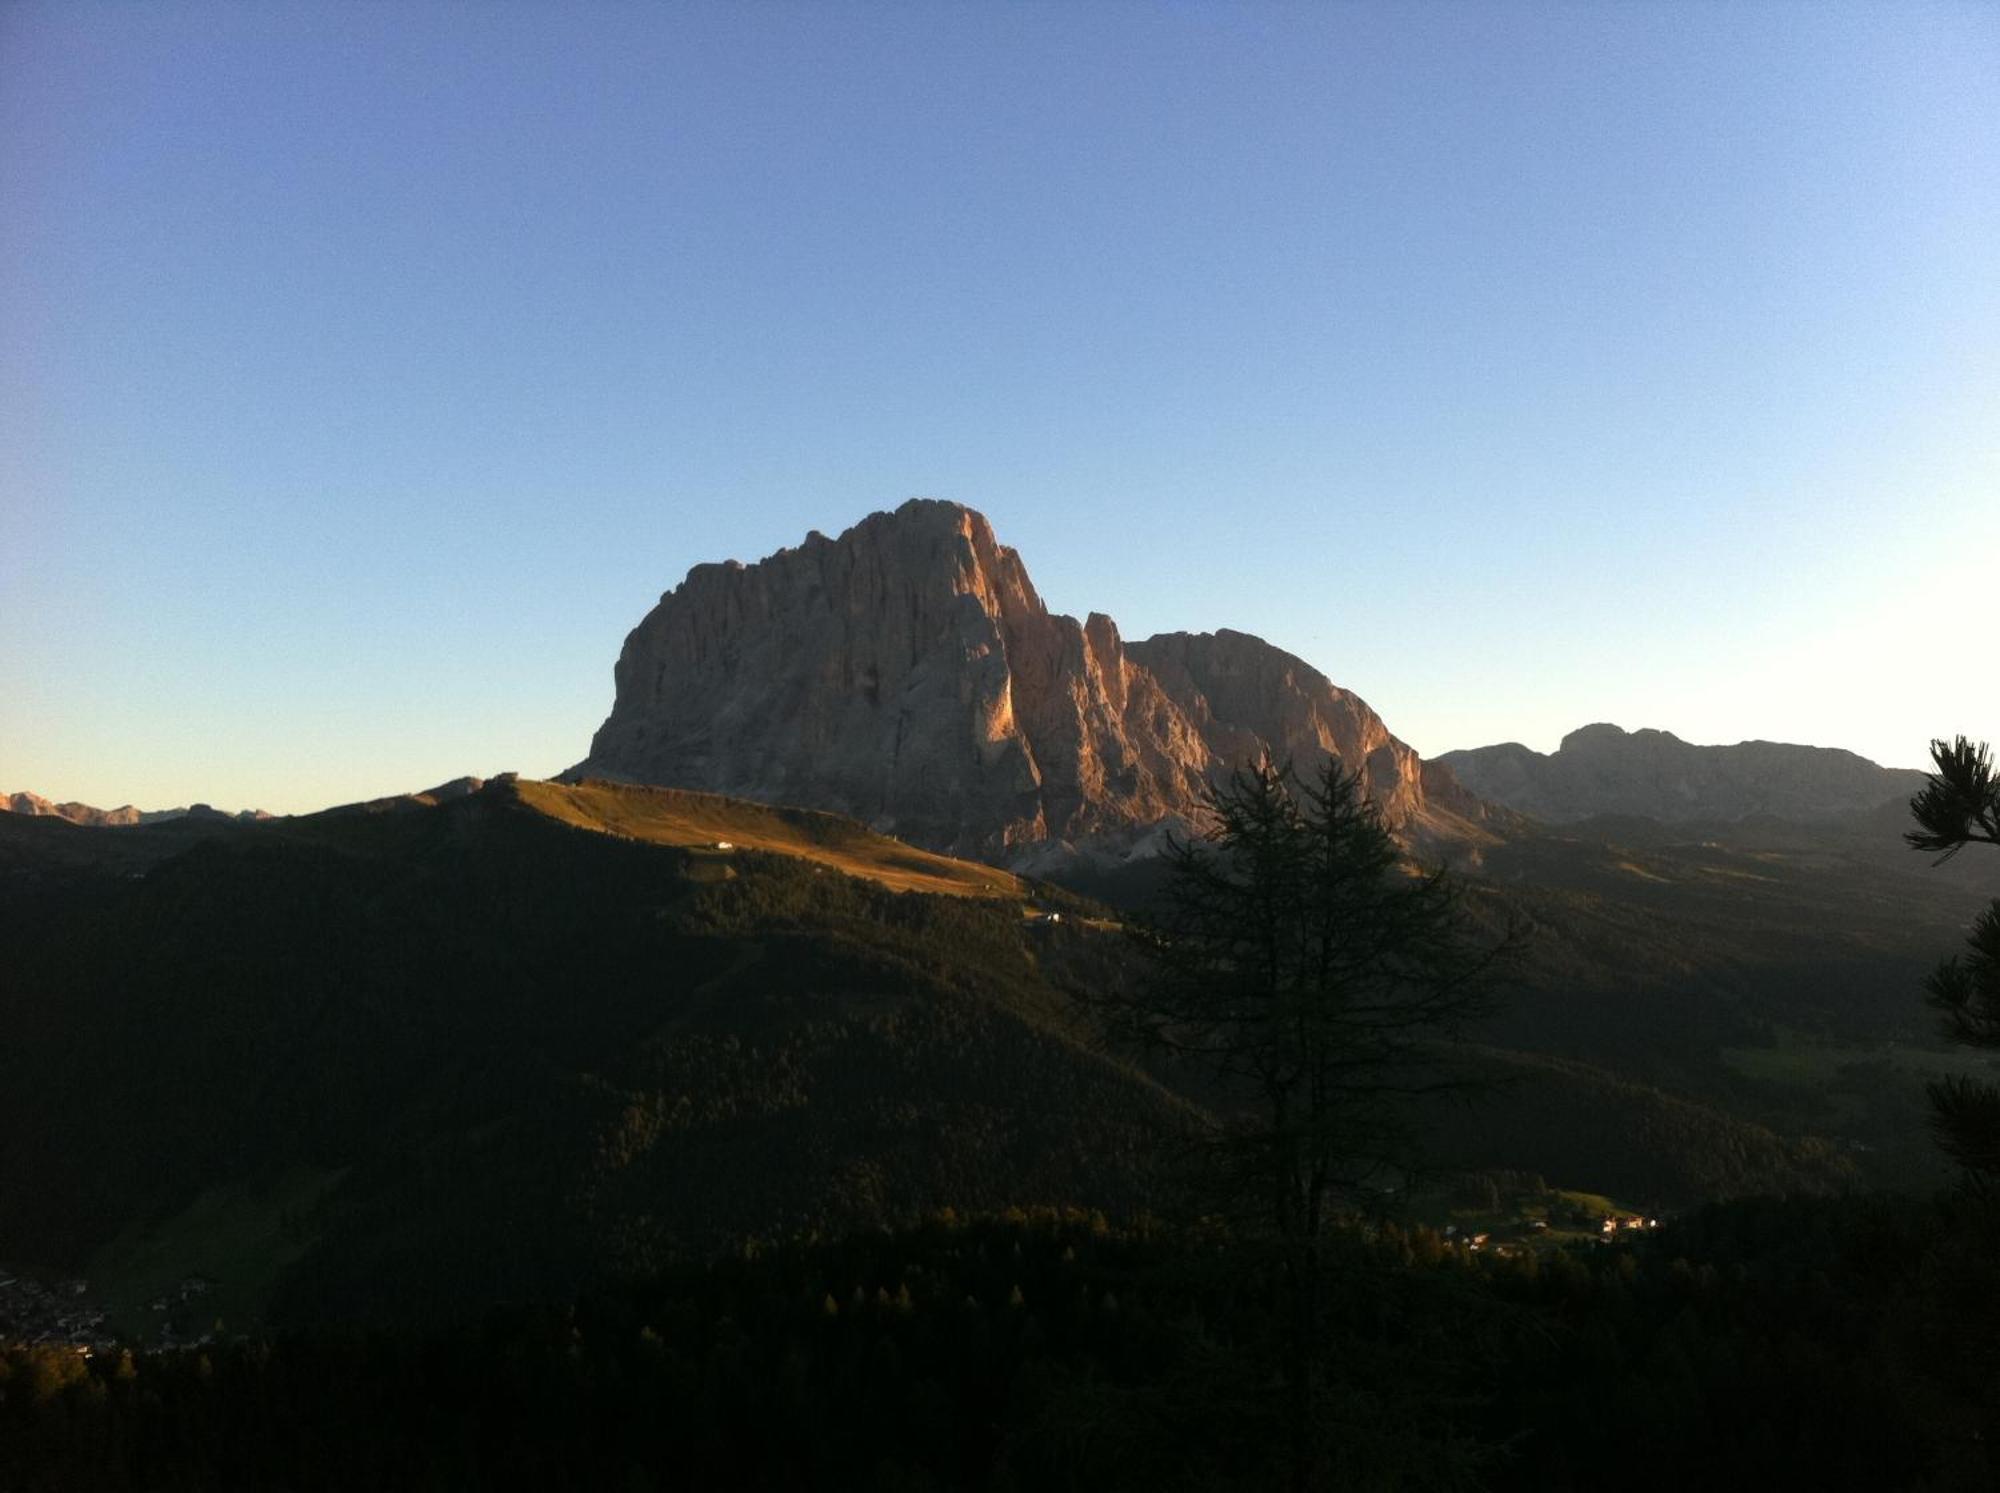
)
(34, 805)
(1601, 769)
(908, 674)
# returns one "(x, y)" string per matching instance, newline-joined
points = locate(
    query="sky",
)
(367, 370)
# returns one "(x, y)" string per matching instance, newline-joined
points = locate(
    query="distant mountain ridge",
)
(908, 674)
(33, 804)
(1603, 769)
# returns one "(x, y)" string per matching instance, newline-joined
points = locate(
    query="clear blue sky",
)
(368, 370)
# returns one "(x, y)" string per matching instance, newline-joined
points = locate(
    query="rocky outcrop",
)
(34, 804)
(1602, 769)
(1248, 699)
(908, 674)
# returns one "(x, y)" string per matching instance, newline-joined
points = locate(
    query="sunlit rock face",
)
(34, 805)
(908, 674)
(1602, 769)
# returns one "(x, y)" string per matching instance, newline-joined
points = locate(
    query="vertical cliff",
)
(907, 673)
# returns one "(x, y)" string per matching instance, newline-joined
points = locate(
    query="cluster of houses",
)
(1610, 1228)
(1613, 1225)
(34, 1313)
(178, 1306)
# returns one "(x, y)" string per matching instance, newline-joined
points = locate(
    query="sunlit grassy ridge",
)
(672, 816)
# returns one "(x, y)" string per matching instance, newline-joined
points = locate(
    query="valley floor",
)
(1827, 1344)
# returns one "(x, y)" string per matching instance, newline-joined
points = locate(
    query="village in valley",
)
(1508, 1214)
(35, 1312)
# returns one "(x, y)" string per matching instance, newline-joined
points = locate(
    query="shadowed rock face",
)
(1604, 770)
(907, 674)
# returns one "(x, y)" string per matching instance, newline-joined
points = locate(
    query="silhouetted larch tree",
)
(1317, 975)
(1960, 806)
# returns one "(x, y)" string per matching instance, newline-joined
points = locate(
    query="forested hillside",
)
(401, 1060)
(436, 1055)
(1802, 1345)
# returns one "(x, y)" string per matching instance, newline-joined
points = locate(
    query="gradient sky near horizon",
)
(367, 370)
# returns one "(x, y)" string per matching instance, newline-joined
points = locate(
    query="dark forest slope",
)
(409, 1056)
(434, 1053)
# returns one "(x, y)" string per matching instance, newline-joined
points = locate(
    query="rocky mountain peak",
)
(35, 806)
(908, 673)
(1606, 735)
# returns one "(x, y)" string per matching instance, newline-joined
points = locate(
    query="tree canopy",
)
(1317, 975)
(1298, 956)
(1960, 806)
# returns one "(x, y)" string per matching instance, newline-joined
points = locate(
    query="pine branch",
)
(1959, 804)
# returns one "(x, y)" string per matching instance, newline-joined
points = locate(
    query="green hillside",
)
(525, 1054)
(402, 1058)
(706, 821)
